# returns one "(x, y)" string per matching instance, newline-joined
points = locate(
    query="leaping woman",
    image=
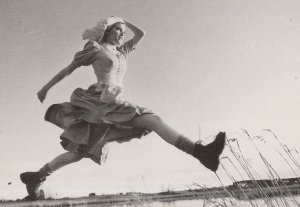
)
(99, 115)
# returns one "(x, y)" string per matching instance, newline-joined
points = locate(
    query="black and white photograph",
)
(121, 103)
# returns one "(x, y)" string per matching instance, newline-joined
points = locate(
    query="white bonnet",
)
(97, 32)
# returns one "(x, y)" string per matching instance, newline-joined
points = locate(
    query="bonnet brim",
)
(97, 32)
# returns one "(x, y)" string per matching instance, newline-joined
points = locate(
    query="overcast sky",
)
(204, 66)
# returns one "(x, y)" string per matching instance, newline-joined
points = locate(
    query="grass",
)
(240, 164)
(238, 167)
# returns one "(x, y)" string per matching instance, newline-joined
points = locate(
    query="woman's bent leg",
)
(63, 160)
(33, 180)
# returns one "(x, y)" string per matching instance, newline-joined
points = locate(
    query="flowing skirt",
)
(90, 123)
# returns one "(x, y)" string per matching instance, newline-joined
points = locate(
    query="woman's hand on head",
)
(42, 95)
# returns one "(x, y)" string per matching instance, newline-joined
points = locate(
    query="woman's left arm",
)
(138, 33)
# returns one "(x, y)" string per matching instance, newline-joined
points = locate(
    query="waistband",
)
(101, 86)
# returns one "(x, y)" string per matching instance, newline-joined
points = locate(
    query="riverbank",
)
(109, 200)
(233, 191)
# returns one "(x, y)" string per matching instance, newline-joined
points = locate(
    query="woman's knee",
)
(75, 156)
(155, 117)
(155, 121)
(147, 121)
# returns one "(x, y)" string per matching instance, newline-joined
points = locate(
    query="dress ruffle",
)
(90, 123)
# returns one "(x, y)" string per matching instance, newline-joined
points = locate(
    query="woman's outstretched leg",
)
(208, 155)
(155, 123)
(33, 180)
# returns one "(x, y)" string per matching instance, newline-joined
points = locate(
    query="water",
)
(286, 201)
(183, 203)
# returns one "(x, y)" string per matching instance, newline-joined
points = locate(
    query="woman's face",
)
(116, 34)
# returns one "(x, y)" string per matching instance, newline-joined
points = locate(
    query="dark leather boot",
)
(33, 182)
(209, 154)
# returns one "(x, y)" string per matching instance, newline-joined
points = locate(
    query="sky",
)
(204, 66)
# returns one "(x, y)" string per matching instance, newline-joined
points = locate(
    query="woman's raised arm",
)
(58, 77)
(138, 33)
